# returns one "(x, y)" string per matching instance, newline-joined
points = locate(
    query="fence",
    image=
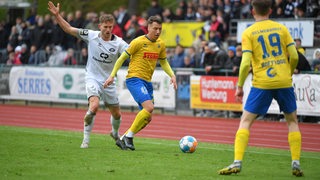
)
(195, 92)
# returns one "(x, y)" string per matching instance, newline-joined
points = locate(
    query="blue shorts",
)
(140, 90)
(259, 100)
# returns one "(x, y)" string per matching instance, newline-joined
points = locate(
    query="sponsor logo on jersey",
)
(103, 58)
(150, 55)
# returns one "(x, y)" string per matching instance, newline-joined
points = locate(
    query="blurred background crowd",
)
(38, 39)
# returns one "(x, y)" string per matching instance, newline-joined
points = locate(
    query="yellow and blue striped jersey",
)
(144, 55)
(268, 41)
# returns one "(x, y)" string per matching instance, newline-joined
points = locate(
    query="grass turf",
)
(28, 153)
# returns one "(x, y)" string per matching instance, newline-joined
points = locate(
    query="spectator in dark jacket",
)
(155, 9)
(215, 59)
(24, 56)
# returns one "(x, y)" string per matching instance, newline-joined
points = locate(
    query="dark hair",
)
(261, 7)
(156, 19)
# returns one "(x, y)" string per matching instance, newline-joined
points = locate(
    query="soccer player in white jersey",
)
(104, 48)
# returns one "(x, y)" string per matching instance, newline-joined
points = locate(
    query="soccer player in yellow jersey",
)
(266, 45)
(144, 53)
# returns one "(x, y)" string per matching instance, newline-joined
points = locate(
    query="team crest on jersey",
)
(112, 50)
(144, 45)
(271, 72)
(158, 45)
(84, 32)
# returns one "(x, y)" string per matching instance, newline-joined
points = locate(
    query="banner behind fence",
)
(68, 85)
(59, 84)
(217, 92)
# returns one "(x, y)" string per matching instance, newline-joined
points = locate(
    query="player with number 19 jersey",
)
(269, 40)
(102, 55)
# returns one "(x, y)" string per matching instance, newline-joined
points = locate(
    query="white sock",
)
(115, 124)
(87, 129)
(130, 134)
(296, 161)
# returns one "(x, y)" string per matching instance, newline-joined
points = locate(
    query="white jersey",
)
(102, 55)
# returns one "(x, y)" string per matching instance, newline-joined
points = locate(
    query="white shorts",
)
(108, 95)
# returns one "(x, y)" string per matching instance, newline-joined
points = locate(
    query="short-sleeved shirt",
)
(144, 55)
(102, 55)
(268, 41)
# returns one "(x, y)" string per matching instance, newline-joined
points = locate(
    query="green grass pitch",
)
(28, 153)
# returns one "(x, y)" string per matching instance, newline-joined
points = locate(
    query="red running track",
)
(215, 130)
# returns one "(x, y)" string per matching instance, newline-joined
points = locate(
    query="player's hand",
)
(108, 82)
(173, 81)
(54, 9)
(239, 94)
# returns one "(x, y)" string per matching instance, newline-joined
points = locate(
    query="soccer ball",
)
(188, 144)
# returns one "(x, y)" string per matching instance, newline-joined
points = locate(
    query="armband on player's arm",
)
(166, 67)
(293, 55)
(244, 68)
(119, 63)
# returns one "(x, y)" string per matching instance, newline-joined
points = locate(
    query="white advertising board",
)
(303, 29)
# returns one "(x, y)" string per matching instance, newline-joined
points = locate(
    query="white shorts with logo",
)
(108, 95)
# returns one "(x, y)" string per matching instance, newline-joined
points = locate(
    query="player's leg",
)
(142, 119)
(294, 139)
(89, 120)
(115, 120)
(258, 102)
(142, 92)
(110, 98)
(287, 103)
(240, 143)
(93, 95)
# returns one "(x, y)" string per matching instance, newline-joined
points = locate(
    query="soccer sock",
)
(87, 127)
(294, 139)
(115, 124)
(240, 143)
(141, 121)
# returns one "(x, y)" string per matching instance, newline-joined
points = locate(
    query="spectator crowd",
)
(38, 40)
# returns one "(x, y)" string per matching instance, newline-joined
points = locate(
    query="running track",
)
(214, 130)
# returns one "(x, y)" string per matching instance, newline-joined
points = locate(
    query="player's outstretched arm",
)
(65, 26)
